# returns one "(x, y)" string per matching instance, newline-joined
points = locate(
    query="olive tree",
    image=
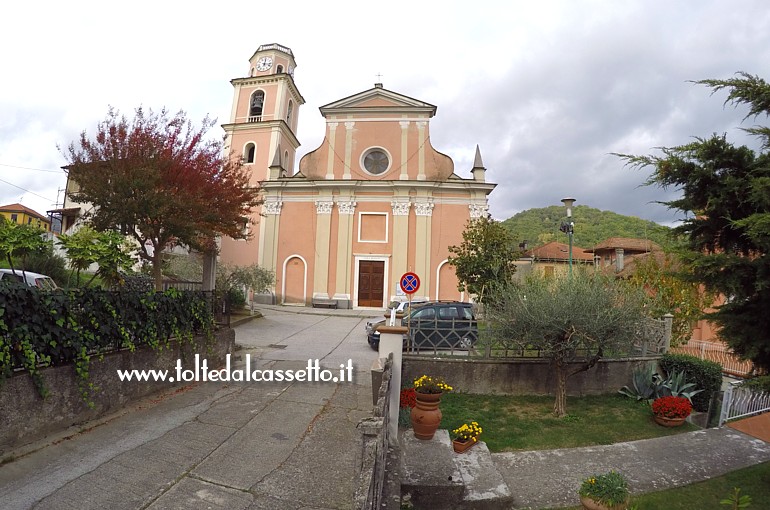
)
(573, 322)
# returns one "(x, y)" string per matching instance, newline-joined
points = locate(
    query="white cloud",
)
(547, 89)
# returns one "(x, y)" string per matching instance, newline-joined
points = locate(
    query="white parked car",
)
(401, 306)
(38, 280)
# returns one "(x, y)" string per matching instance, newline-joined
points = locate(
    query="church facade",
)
(375, 200)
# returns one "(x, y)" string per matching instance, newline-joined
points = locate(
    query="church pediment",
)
(379, 98)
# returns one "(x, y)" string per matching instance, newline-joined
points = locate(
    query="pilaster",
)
(323, 209)
(421, 125)
(332, 138)
(271, 210)
(423, 210)
(346, 209)
(348, 149)
(404, 149)
(401, 208)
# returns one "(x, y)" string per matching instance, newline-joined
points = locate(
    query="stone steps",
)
(434, 476)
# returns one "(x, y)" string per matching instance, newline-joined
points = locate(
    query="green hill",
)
(539, 226)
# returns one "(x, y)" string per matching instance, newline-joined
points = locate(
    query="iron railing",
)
(461, 337)
(739, 402)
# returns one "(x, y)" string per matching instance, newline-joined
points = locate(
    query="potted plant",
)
(465, 436)
(671, 411)
(431, 385)
(425, 415)
(604, 492)
(407, 401)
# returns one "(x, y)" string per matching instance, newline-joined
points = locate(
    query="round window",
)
(376, 161)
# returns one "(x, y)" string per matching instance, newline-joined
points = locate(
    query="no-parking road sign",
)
(410, 282)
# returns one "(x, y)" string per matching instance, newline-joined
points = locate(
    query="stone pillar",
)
(669, 324)
(392, 341)
(209, 270)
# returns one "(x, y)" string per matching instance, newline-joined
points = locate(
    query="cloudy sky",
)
(547, 89)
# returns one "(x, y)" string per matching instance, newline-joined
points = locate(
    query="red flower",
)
(408, 398)
(672, 407)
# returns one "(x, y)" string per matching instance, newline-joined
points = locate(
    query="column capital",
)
(323, 206)
(346, 207)
(400, 208)
(478, 210)
(272, 207)
(423, 208)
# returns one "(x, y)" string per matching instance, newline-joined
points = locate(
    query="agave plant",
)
(646, 384)
(676, 386)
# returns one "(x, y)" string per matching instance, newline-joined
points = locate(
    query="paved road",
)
(258, 445)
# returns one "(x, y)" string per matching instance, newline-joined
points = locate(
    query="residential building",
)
(22, 215)
(373, 202)
(616, 251)
(552, 259)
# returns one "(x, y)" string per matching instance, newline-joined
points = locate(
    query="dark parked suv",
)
(434, 325)
(442, 325)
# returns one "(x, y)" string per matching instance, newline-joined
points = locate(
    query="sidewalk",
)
(551, 478)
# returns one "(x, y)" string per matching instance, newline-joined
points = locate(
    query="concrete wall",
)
(26, 417)
(522, 377)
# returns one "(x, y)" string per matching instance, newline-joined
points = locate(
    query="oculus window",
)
(375, 161)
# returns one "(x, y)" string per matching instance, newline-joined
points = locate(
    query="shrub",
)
(758, 383)
(47, 263)
(705, 374)
(39, 328)
(609, 489)
(236, 298)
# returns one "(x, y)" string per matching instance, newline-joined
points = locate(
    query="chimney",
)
(618, 260)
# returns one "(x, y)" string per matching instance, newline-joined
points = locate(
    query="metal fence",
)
(461, 337)
(739, 402)
(718, 352)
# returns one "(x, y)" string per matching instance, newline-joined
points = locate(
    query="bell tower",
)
(262, 131)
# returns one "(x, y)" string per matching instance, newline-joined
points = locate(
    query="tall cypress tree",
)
(726, 191)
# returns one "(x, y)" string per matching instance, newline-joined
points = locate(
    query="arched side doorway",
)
(446, 283)
(294, 281)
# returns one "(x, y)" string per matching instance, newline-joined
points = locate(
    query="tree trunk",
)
(157, 270)
(560, 406)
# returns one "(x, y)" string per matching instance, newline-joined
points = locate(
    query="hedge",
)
(42, 328)
(705, 374)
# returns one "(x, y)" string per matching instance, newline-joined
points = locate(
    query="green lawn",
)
(753, 481)
(527, 422)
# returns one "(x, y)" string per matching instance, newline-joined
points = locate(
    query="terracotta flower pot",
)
(461, 446)
(669, 422)
(425, 415)
(592, 504)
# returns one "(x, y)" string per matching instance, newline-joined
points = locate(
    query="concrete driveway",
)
(233, 445)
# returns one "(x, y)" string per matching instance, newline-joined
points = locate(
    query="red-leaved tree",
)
(160, 180)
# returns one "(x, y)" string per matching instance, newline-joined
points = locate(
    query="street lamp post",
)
(568, 228)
